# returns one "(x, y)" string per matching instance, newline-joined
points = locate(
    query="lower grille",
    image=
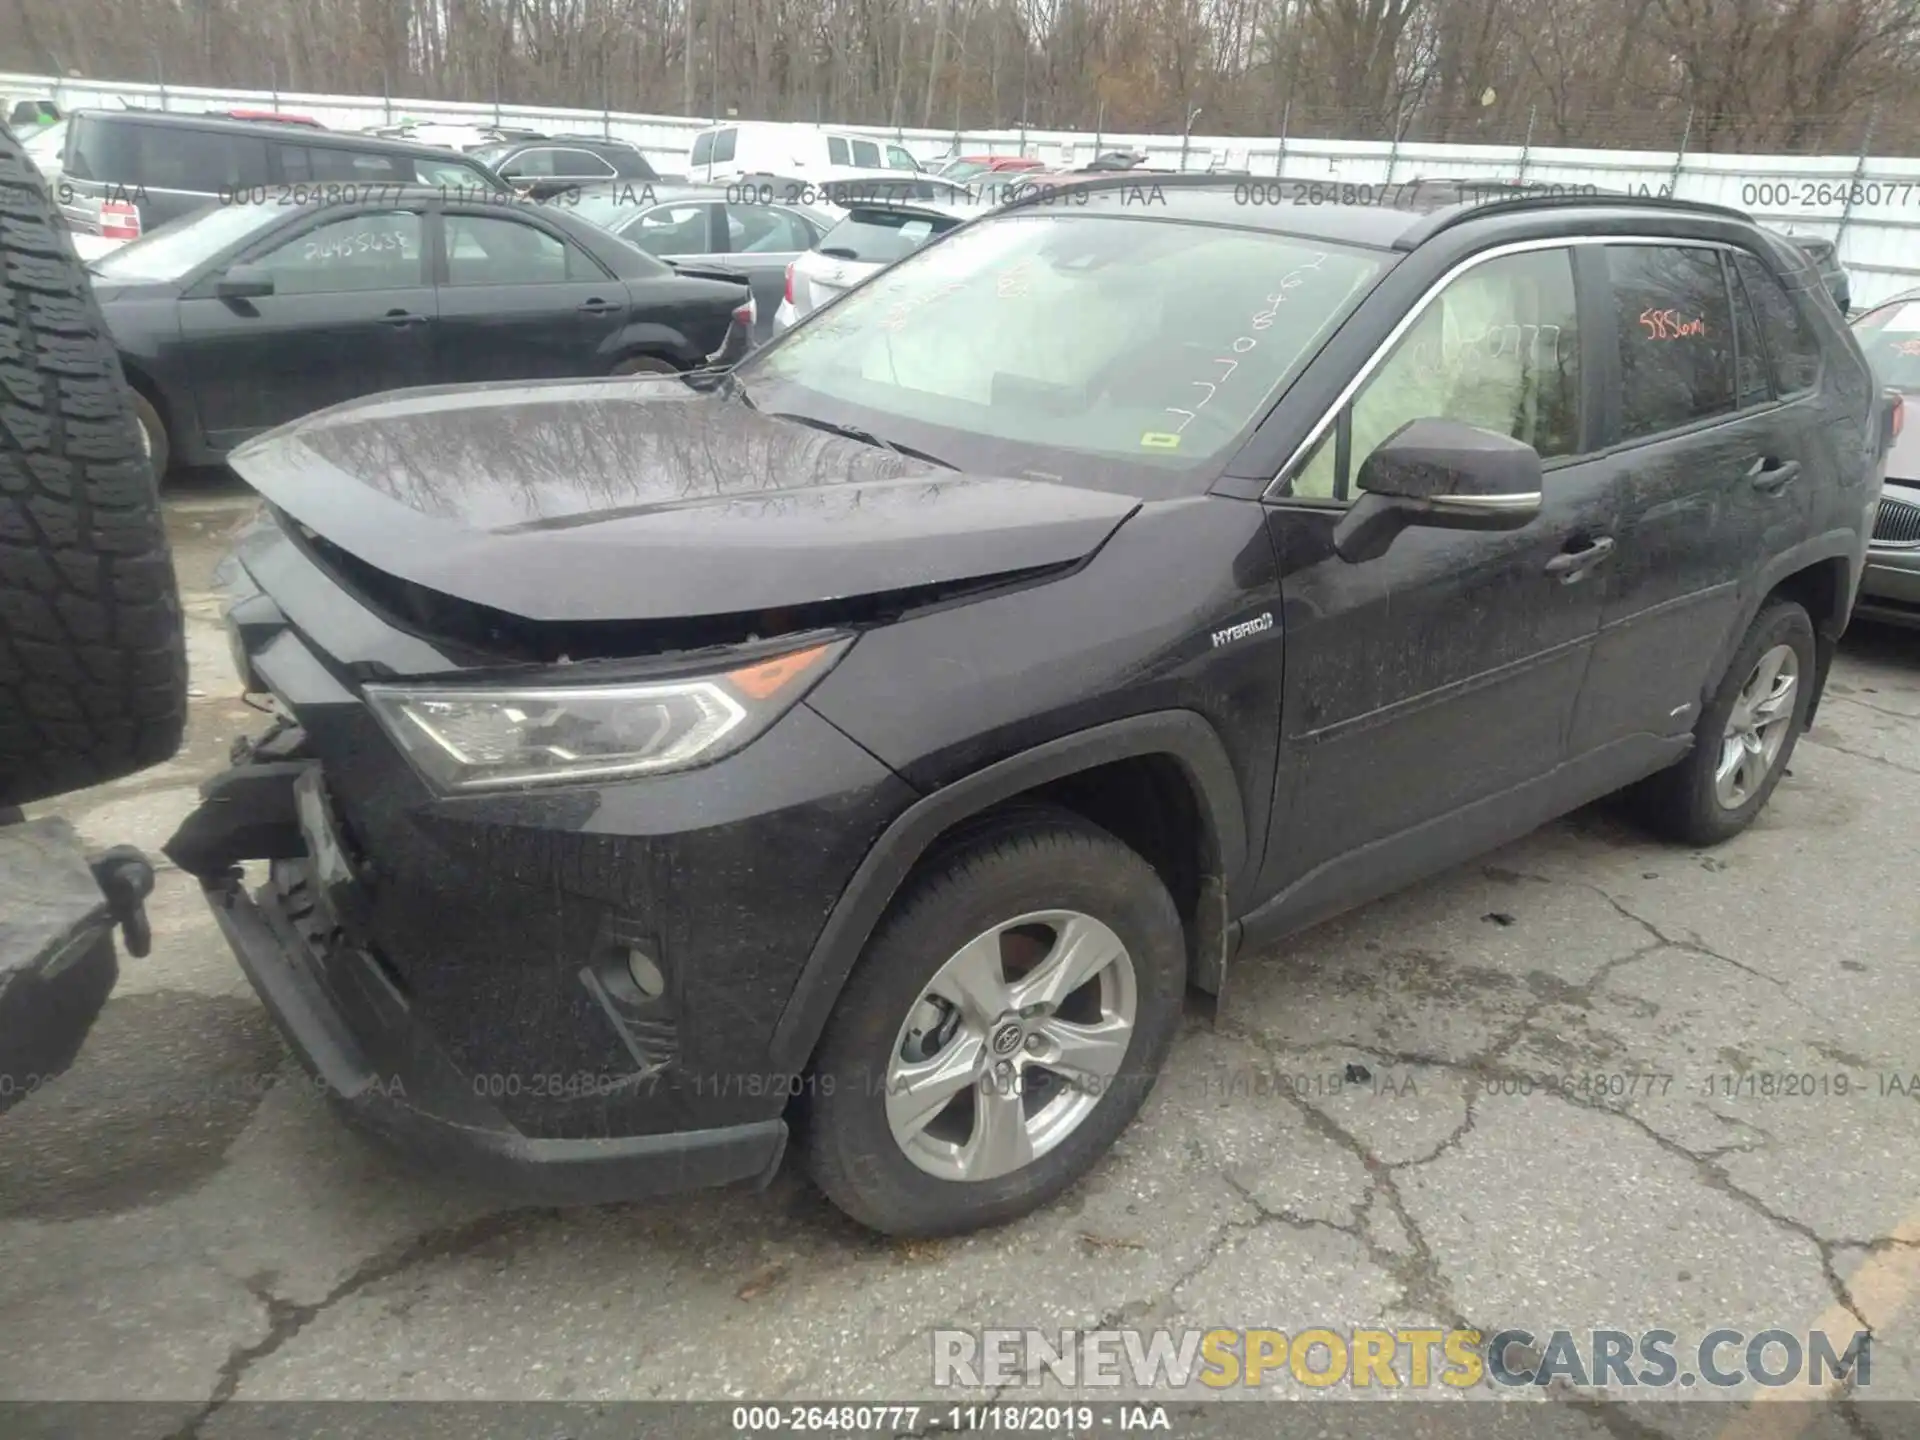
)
(1897, 523)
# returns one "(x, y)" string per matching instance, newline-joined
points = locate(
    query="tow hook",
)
(125, 877)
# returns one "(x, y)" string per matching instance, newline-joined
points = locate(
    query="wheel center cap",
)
(1007, 1038)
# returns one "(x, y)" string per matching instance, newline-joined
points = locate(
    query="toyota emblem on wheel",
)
(1006, 1039)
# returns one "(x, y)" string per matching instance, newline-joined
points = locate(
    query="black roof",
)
(1400, 216)
(301, 134)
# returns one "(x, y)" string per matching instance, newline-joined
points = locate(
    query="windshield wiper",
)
(865, 437)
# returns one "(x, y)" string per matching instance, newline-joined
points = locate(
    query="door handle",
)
(1770, 476)
(597, 306)
(401, 319)
(1569, 565)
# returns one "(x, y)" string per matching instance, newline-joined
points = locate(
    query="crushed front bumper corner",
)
(356, 1034)
(357, 1041)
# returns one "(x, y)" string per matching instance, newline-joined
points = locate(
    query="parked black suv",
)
(553, 165)
(169, 165)
(883, 737)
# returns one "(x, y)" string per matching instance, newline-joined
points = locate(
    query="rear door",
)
(1710, 469)
(520, 301)
(351, 314)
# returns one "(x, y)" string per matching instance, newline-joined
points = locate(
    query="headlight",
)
(472, 738)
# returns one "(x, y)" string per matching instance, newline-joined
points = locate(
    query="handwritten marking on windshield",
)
(1260, 323)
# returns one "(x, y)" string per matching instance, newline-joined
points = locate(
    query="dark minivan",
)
(168, 165)
(880, 739)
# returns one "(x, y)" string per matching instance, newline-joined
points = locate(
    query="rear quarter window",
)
(328, 164)
(1793, 349)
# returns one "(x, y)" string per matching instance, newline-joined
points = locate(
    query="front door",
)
(1428, 692)
(350, 314)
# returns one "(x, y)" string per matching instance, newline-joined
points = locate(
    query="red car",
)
(275, 117)
(967, 167)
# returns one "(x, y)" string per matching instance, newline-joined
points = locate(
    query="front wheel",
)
(1744, 738)
(1004, 1025)
(646, 365)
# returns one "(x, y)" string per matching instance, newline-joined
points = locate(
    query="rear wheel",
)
(153, 435)
(646, 365)
(1744, 738)
(1004, 1025)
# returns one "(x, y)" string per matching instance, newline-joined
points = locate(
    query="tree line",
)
(1816, 76)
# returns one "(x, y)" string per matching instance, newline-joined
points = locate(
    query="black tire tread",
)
(92, 655)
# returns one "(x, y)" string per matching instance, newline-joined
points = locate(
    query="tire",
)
(1683, 802)
(1031, 861)
(92, 655)
(153, 436)
(646, 365)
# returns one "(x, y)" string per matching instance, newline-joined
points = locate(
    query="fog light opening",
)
(646, 974)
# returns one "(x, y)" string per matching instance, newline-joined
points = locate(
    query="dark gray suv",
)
(881, 738)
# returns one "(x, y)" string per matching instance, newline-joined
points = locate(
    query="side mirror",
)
(1444, 474)
(244, 282)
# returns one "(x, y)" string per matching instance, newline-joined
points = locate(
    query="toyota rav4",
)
(877, 742)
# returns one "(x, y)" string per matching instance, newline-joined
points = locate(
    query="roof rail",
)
(1031, 192)
(1459, 212)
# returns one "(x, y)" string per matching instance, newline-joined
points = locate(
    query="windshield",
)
(173, 250)
(1128, 353)
(1891, 338)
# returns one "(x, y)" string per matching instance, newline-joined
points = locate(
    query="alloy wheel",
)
(1757, 727)
(1011, 1045)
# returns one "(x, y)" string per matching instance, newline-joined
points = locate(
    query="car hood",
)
(645, 499)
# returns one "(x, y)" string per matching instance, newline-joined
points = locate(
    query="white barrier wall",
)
(1869, 205)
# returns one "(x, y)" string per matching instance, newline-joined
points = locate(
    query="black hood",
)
(644, 499)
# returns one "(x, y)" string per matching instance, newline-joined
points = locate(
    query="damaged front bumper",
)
(58, 911)
(355, 1032)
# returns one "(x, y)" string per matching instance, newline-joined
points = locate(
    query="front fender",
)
(1183, 735)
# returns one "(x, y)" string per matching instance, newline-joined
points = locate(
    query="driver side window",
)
(1498, 348)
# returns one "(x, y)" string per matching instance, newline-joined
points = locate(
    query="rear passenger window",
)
(1675, 332)
(1793, 351)
(495, 250)
(205, 161)
(325, 163)
(837, 152)
(723, 144)
(866, 153)
(1498, 348)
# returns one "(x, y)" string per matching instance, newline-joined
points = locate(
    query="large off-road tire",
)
(92, 655)
(1035, 948)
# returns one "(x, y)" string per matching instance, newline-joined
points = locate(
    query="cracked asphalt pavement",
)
(1537, 1091)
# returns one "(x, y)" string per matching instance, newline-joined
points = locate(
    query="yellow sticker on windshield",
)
(1159, 440)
